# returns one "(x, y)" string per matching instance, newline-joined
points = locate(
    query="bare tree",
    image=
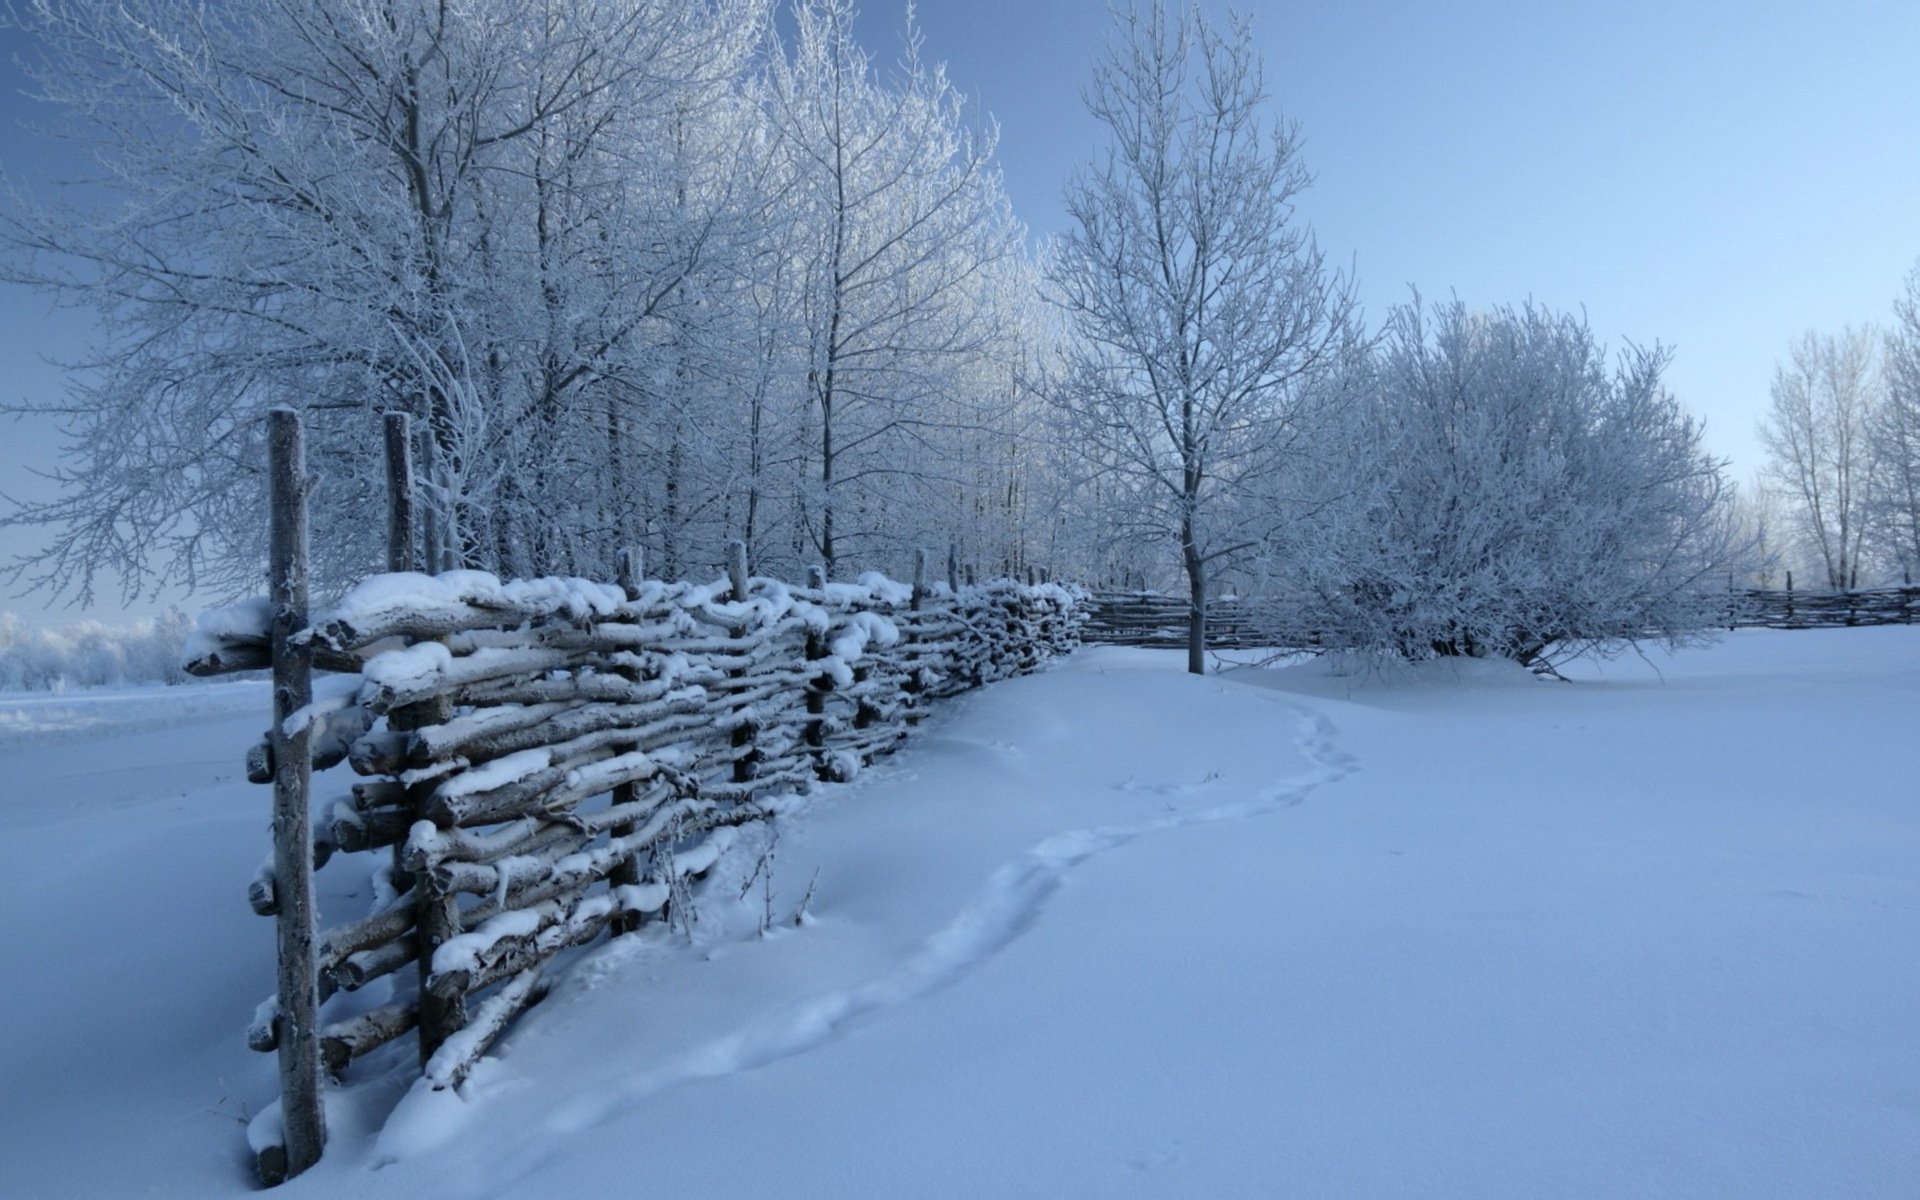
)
(1895, 432)
(1817, 438)
(1200, 302)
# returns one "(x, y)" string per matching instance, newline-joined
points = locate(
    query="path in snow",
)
(1007, 907)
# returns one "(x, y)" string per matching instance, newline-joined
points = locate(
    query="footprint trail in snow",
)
(1006, 907)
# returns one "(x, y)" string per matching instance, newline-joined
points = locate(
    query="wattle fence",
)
(543, 761)
(1158, 619)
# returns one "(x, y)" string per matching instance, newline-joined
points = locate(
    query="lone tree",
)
(1200, 302)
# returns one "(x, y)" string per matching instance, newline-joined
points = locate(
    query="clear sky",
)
(1717, 176)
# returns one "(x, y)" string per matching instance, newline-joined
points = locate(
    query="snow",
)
(1107, 930)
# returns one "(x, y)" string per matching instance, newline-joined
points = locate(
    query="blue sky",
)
(1715, 176)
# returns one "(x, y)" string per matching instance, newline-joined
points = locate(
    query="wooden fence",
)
(1156, 619)
(546, 760)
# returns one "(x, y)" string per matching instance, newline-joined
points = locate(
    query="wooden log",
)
(262, 896)
(450, 1066)
(530, 956)
(232, 658)
(303, 1118)
(567, 731)
(366, 933)
(381, 752)
(608, 688)
(362, 967)
(355, 830)
(480, 667)
(344, 1041)
(584, 773)
(478, 878)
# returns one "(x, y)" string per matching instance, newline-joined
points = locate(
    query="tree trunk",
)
(1196, 600)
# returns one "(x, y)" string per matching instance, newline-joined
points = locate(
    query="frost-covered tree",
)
(1200, 303)
(898, 243)
(1819, 445)
(1490, 486)
(1895, 434)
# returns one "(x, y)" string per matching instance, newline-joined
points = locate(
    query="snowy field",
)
(1110, 930)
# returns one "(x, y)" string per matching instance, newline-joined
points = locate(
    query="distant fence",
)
(1157, 619)
(1756, 609)
(548, 759)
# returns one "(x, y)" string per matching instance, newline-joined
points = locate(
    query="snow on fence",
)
(544, 760)
(1155, 619)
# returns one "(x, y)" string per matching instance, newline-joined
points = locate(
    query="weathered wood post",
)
(302, 1118)
(953, 566)
(632, 570)
(737, 568)
(399, 434)
(627, 872)
(746, 762)
(919, 578)
(814, 735)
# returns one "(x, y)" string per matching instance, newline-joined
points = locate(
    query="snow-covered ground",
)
(1107, 930)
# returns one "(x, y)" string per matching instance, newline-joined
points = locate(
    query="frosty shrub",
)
(1490, 485)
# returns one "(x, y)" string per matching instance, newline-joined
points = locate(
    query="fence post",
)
(399, 434)
(627, 872)
(302, 1118)
(745, 759)
(814, 733)
(919, 578)
(737, 568)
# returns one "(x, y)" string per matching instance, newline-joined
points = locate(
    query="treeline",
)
(647, 272)
(1841, 490)
(90, 653)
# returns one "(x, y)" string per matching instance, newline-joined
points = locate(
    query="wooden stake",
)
(399, 492)
(303, 1120)
(737, 568)
(632, 560)
(953, 566)
(919, 578)
(632, 570)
